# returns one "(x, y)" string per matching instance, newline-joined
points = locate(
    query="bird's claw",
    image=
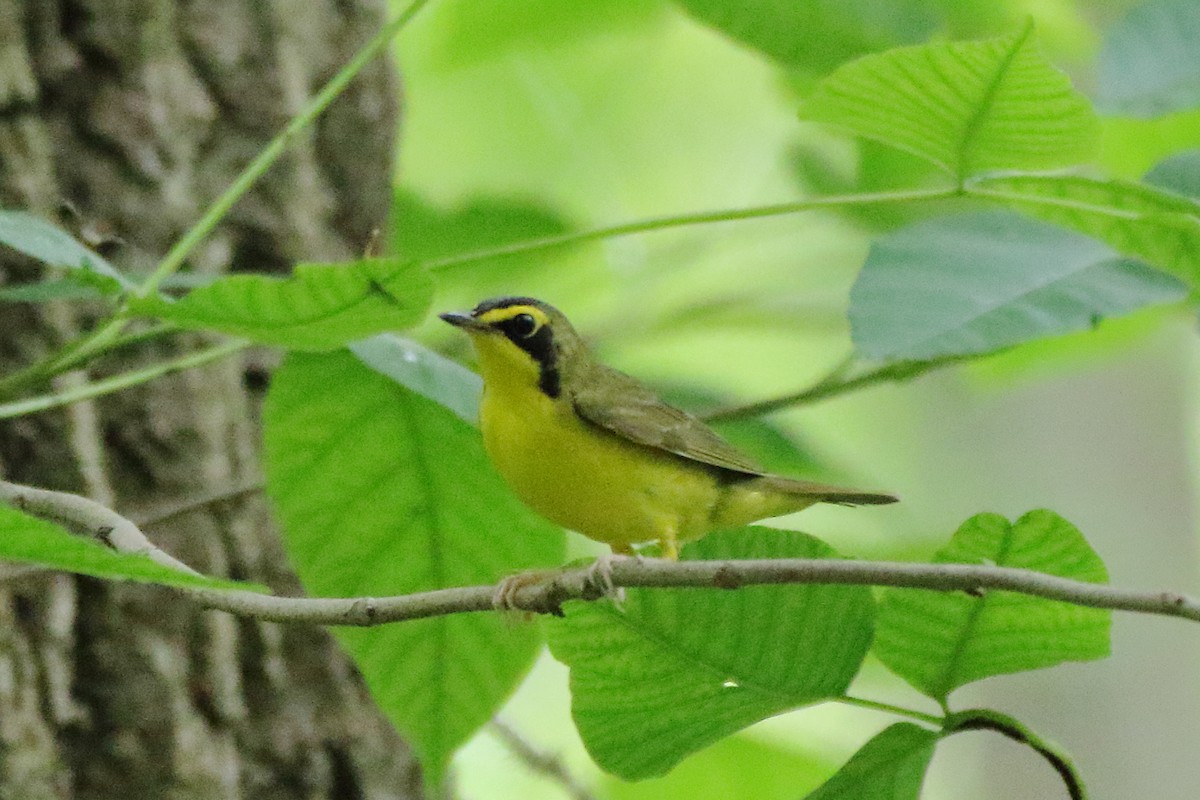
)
(504, 598)
(599, 576)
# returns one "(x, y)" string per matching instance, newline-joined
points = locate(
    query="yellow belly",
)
(589, 480)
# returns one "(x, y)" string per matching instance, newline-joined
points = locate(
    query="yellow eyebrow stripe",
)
(508, 312)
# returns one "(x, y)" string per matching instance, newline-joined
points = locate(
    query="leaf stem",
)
(876, 705)
(118, 382)
(699, 218)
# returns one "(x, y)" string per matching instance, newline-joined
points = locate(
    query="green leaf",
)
(975, 283)
(381, 491)
(1148, 65)
(35, 541)
(678, 669)
(1135, 219)
(37, 238)
(938, 641)
(814, 34)
(320, 307)
(423, 371)
(889, 767)
(1179, 173)
(738, 766)
(968, 107)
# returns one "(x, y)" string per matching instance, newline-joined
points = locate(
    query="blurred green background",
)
(524, 118)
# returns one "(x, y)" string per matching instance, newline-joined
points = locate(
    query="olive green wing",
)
(623, 406)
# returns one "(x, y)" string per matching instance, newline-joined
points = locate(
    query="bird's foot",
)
(505, 596)
(599, 576)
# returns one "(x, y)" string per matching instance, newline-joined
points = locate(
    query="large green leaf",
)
(938, 641)
(37, 238)
(968, 107)
(35, 541)
(975, 283)
(1148, 65)
(1135, 219)
(889, 767)
(676, 670)
(381, 491)
(816, 35)
(319, 307)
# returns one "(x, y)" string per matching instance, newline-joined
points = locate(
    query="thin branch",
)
(699, 218)
(540, 761)
(118, 382)
(544, 592)
(835, 384)
(169, 512)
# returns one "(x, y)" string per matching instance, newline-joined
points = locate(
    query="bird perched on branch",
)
(594, 450)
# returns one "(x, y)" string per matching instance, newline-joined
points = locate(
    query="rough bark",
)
(138, 113)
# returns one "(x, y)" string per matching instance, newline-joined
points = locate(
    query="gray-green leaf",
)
(37, 238)
(979, 282)
(423, 371)
(1148, 65)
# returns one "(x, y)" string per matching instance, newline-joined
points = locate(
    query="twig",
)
(545, 592)
(170, 512)
(699, 218)
(540, 761)
(123, 381)
(833, 385)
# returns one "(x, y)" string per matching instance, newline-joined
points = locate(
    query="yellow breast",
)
(587, 479)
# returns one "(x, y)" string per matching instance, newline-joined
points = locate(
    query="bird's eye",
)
(523, 325)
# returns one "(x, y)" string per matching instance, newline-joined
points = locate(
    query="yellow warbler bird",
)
(594, 450)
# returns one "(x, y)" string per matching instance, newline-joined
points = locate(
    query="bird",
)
(596, 451)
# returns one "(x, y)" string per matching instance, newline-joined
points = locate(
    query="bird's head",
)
(521, 339)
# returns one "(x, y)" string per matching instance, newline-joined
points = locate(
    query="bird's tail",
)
(765, 496)
(821, 492)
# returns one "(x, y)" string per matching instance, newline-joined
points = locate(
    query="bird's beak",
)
(460, 320)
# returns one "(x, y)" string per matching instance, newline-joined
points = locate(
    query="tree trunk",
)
(138, 113)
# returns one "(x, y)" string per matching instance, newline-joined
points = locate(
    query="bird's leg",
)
(668, 545)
